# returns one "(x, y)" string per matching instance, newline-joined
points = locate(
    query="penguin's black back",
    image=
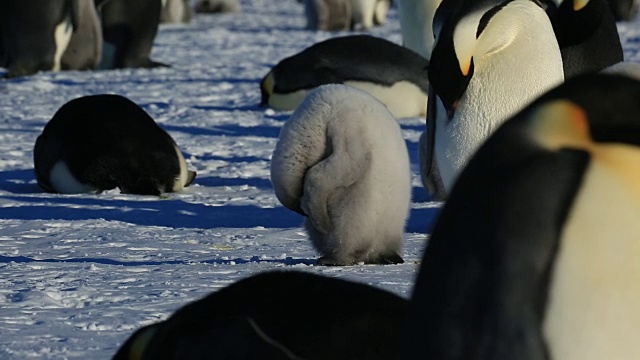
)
(313, 317)
(357, 57)
(108, 141)
(588, 38)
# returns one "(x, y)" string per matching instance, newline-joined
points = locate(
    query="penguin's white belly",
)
(403, 99)
(457, 140)
(288, 101)
(182, 178)
(63, 181)
(363, 12)
(62, 36)
(593, 310)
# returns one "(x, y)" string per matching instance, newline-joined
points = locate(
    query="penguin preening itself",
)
(278, 315)
(342, 162)
(100, 142)
(587, 35)
(490, 59)
(535, 254)
(393, 74)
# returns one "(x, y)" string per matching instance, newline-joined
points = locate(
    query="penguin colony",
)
(534, 255)
(54, 35)
(544, 265)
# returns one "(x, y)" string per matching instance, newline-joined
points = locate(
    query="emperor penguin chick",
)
(341, 161)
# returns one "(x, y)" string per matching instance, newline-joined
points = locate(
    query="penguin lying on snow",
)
(491, 58)
(545, 265)
(278, 315)
(395, 75)
(101, 142)
(341, 161)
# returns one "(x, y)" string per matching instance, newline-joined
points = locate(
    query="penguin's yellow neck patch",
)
(563, 124)
(267, 83)
(579, 4)
(140, 343)
(593, 309)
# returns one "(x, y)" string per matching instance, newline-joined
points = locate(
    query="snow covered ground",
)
(79, 273)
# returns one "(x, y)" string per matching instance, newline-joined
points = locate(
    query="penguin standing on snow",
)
(545, 265)
(278, 315)
(35, 34)
(491, 58)
(101, 142)
(342, 162)
(85, 46)
(129, 28)
(393, 74)
(587, 35)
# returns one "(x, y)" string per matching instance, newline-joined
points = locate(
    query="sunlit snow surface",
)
(79, 273)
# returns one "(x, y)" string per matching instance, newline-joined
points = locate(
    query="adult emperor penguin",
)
(342, 162)
(535, 254)
(34, 34)
(175, 11)
(328, 15)
(587, 34)
(490, 59)
(129, 28)
(278, 315)
(393, 74)
(85, 45)
(101, 142)
(416, 24)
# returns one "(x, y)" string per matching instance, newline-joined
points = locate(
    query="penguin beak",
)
(266, 89)
(450, 83)
(452, 110)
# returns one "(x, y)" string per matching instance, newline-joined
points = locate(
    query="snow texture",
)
(79, 273)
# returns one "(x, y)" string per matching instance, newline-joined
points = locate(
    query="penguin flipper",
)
(429, 171)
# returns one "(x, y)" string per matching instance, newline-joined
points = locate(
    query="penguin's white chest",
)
(62, 37)
(63, 181)
(593, 310)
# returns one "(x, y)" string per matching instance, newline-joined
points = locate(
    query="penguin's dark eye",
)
(484, 20)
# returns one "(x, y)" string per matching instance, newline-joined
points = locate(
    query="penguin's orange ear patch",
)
(561, 124)
(579, 4)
